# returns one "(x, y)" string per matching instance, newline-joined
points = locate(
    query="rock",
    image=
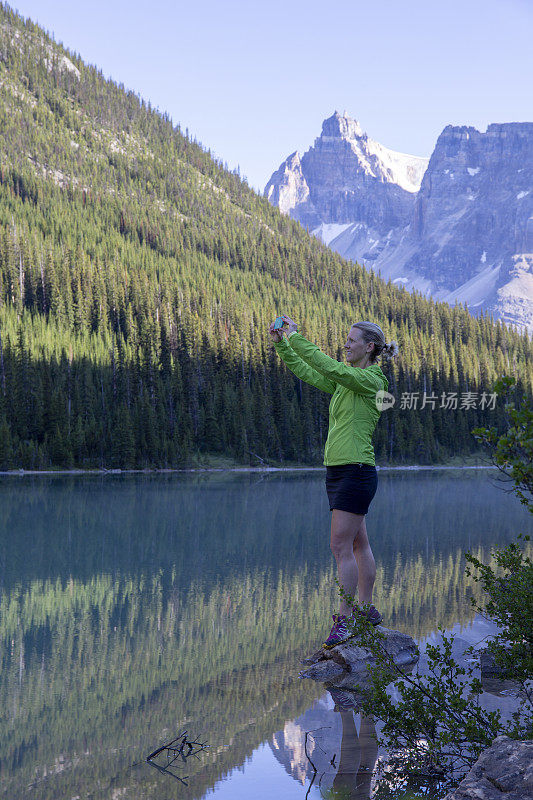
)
(324, 671)
(346, 664)
(502, 772)
(489, 668)
(496, 679)
(320, 655)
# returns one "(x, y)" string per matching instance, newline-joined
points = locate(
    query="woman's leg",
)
(366, 564)
(345, 527)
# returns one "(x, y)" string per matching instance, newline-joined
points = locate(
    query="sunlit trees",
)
(138, 278)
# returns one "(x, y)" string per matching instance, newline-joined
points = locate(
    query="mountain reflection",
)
(343, 756)
(137, 606)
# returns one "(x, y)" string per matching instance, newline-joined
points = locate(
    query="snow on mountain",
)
(404, 170)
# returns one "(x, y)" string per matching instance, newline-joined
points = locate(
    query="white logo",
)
(384, 400)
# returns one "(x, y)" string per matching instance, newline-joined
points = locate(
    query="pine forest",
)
(138, 278)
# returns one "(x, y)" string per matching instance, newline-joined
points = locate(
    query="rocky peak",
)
(344, 127)
(330, 182)
(510, 129)
(459, 140)
(358, 157)
(287, 187)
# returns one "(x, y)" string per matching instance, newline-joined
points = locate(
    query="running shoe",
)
(371, 614)
(340, 631)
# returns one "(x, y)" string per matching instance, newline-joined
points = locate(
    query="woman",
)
(351, 476)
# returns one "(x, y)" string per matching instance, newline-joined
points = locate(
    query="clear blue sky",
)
(254, 80)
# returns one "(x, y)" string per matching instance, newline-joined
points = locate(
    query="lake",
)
(137, 607)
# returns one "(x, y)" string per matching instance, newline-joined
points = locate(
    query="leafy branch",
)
(512, 453)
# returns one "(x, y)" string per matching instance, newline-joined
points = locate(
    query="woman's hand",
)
(292, 325)
(277, 335)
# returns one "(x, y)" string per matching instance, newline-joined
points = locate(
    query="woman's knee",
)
(361, 540)
(344, 529)
(341, 547)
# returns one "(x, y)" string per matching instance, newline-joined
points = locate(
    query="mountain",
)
(456, 227)
(138, 280)
(346, 176)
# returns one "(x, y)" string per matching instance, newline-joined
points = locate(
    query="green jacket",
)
(353, 413)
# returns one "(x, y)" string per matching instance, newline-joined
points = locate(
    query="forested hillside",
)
(138, 278)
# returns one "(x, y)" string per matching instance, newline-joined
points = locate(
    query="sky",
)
(253, 81)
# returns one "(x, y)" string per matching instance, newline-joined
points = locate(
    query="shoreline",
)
(413, 467)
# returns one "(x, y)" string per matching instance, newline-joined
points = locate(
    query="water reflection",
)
(335, 759)
(359, 752)
(357, 760)
(133, 607)
(331, 749)
(224, 524)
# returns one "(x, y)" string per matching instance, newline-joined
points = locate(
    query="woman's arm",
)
(357, 379)
(301, 369)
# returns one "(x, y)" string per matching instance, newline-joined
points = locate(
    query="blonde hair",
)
(373, 333)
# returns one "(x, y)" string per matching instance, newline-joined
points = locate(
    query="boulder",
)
(496, 680)
(489, 667)
(346, 665)
(502, 772)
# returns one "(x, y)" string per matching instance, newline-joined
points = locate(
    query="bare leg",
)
(344, 532)
(366, 564)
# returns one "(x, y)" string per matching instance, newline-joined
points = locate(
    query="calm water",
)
(134, 607)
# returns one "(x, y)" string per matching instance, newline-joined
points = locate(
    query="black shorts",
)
(351, 487)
